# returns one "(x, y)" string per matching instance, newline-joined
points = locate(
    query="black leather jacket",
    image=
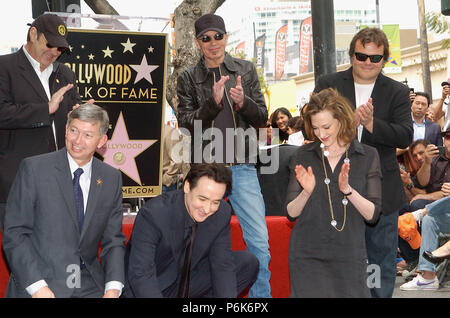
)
(196, 102)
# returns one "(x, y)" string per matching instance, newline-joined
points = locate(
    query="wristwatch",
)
(409, 186)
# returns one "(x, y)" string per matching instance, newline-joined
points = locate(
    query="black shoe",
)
(434, 259)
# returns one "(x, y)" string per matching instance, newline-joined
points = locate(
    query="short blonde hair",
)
(339, 106)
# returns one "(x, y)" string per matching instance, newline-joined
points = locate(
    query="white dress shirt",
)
(44, 77)
(419, 130)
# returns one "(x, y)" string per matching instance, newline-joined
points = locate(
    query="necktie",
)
(183, 292)
(78, 196)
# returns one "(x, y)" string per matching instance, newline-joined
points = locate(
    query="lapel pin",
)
(57, 81)
(99, 182)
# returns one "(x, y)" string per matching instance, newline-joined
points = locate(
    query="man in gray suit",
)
(56, 218)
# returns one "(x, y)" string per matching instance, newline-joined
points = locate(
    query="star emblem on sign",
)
(120, 152)
(144, 70)
(128, 46)
(108, 52)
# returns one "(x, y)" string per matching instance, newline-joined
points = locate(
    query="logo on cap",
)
(62, 29)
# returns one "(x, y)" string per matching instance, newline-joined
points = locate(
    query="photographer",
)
(433, 174)
(442, 108)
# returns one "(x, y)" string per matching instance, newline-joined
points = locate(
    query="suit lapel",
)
(427, 130)
(64, 180)
(28, 73)
(177, 226)
(349, 87)
(378, 96)
(95, 189)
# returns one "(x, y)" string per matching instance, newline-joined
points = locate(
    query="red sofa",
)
(279, 231)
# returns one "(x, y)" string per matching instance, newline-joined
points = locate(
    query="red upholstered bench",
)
(279, 231)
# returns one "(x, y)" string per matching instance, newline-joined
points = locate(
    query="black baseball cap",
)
(53, 28)
(209, 22)
(445, 132)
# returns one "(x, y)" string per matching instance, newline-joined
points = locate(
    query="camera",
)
(411, 89)
(441, 150)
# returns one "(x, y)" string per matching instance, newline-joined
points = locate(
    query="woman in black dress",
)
(334, 188)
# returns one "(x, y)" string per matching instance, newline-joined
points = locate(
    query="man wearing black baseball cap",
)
(54, 30)
(36, 94)
(223, 93)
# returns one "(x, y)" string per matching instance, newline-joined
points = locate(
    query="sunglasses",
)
(373, 58)
(60, 49)
(207, 38)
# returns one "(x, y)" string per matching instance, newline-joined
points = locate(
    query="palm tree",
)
(440, 24)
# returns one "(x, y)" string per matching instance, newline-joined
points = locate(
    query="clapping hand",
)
(219, 88)
(237, 94)
(305, 178)
(365, 115)
(344, 187)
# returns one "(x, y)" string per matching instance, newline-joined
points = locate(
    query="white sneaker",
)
(420, 283)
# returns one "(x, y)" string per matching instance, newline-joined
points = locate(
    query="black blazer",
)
(392, 127)
(433, 133)
(24, 114)
(154, 251)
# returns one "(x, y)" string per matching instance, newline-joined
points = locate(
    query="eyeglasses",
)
(207, 38)
(60, 49)
(373, 58)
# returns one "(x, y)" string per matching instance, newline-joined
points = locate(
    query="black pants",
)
(247, 267)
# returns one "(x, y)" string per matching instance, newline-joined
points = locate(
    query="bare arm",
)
(307, 181)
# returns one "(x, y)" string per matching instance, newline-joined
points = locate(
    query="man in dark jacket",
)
(158, 258)
(36, 93)
(220, 100)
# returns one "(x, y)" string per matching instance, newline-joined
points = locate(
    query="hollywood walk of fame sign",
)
(124, 72)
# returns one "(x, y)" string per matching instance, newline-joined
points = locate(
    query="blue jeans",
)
(437, 220)
(248, 205)
(381, 245)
